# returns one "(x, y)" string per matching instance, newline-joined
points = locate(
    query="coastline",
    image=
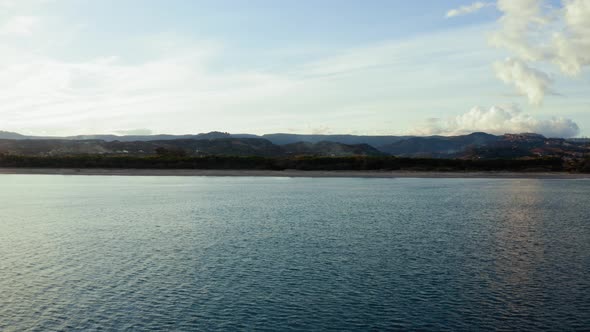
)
(291, 173)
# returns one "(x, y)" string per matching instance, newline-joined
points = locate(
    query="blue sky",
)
(361, 67)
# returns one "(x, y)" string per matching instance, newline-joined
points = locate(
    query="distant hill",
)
(135, 138)
(279, 139)
(529, 145)
(325, 148)
(472, 146)
(228, 146)
(438, 146)
(486, 146)
(375, 141)
(9, 135)
(122, 138)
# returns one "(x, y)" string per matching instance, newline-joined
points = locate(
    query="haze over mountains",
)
(279, 139)
(475, 145)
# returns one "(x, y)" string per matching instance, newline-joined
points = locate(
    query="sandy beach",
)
(292, 173)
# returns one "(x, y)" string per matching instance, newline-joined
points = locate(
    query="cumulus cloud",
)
(532, 83)
(571, 48)
(469, 9)
(498, 120)
(520, 28)
(536, 33)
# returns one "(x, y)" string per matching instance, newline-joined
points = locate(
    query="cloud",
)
(11, 4)
(469, 9)
(39, 92)
(19, 26)
(498, 120)
(533, 32)
(8, 3)
(532, 83)
(320, 130)
(571, 47)
(135, 132)
(181, 88)
(521, 28)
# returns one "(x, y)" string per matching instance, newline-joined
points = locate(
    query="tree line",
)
(357, 163)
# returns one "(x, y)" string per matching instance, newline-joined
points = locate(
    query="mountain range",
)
(475, 145)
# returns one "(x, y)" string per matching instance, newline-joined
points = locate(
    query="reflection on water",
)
(148, 253)
(518, 232)
(519, 246)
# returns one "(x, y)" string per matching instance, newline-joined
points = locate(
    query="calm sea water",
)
(171, 253)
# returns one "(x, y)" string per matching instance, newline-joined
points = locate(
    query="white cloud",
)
(11, 4)
(135, 132)
(498, 120)
(19, 26)
(532, 83)
(182, 89)
(39, 92)
(571, 47)
(534, 32)
(521, 28)
(469, 9)
(8, 3)
(576, 14)
(320, 130)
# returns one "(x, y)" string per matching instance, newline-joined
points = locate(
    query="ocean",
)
(80, 253)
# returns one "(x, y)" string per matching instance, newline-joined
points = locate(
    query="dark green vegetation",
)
(361, 163)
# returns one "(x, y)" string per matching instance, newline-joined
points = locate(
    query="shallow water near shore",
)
(294, 173)
(264, 253)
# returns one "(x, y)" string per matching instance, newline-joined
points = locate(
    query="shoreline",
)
(291, 173)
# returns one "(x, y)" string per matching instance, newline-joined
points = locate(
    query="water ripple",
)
(148, 253)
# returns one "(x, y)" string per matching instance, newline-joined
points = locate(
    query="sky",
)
(378, 67)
